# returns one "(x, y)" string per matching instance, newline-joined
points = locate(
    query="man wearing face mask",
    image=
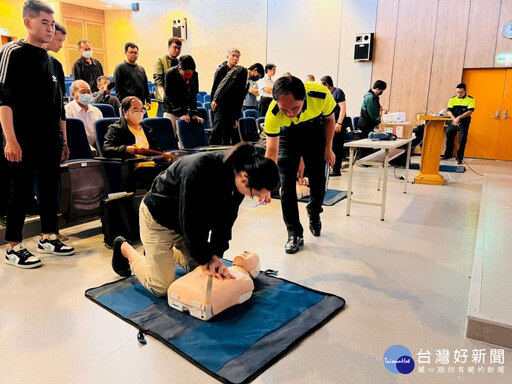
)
(181, 88)
(227, 102)
(80, 108)
(86, 67)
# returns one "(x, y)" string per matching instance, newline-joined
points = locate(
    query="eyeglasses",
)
(143, 110)
(132, 52)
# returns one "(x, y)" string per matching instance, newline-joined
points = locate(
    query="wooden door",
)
(486, 86)
(504, 145)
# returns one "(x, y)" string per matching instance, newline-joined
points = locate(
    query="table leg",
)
(384, 185)
(407, 165)
(350, 171)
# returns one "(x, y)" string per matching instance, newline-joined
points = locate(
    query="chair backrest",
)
(260, 120)
(347, 121)
(163, 132)
(101, 128)
(106, 110)
(78, 144)
(207, 98)
(200, 98)
(207, 105)
(202, 93)
(248, 129)
(251, 113)
(200, 104)
(203, 114)
(355, 121)
(192, 135)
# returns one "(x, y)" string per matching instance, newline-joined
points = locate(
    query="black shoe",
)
(293, 244)
(458, 161)
(315, 226)
(335, 173)
(444, 157)
(120, 264)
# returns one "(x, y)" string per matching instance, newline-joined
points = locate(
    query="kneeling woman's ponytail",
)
(261, 171)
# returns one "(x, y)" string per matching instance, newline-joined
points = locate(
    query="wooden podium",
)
(431, 151)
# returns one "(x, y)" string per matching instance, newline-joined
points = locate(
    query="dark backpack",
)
(120, 217)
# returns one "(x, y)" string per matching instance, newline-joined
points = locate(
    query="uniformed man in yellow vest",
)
(460, 108)
(300, 123)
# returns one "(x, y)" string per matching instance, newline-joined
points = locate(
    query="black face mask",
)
(254, 78)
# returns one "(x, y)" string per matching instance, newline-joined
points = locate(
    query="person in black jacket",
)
(181, 88)
(227, 102)
(131, 78)
(86, 67)
(123, 136)
(33, 141)
(188, 214)
(222, 70)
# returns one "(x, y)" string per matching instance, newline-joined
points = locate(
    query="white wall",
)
(317, 36)
(358, 16)
(214, 26)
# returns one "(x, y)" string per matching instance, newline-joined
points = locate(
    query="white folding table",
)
(386, 145)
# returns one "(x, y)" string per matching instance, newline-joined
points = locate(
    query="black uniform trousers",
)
(451, 131)
(223, 129)
(44, 165)
(337, 147)
(306, 140)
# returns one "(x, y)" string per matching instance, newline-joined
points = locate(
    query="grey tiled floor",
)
(406, 281)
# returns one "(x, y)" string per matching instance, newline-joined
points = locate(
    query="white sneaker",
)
(54, 246)
(20, 257)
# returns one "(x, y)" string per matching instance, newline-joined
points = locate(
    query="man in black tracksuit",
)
(227, 103)
(33, 143)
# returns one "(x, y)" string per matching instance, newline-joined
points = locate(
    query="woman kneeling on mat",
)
(188, 214)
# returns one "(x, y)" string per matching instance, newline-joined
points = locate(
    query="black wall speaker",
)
(135, 7)
(363, 49)
(179, 28)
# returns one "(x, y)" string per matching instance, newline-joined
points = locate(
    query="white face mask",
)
(136, 117)
(87, 54)
(85, 98)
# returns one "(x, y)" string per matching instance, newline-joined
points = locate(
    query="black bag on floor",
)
(120, 217)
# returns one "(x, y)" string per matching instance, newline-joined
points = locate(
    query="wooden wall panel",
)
(384, 49)
(503, 45)
(449, 47)
(413, 57)
(82, 13)
(482, 32)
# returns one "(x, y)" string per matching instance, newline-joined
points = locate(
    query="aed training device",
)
(363, 50)
(203, 296)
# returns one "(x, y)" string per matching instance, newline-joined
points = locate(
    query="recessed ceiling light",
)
(109, 6)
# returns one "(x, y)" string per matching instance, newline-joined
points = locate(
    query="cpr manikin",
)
(205, 296)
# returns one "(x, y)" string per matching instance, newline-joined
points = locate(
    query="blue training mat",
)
(238, 344)
(332, 196)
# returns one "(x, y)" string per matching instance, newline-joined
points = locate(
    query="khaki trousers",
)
(162, 247)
